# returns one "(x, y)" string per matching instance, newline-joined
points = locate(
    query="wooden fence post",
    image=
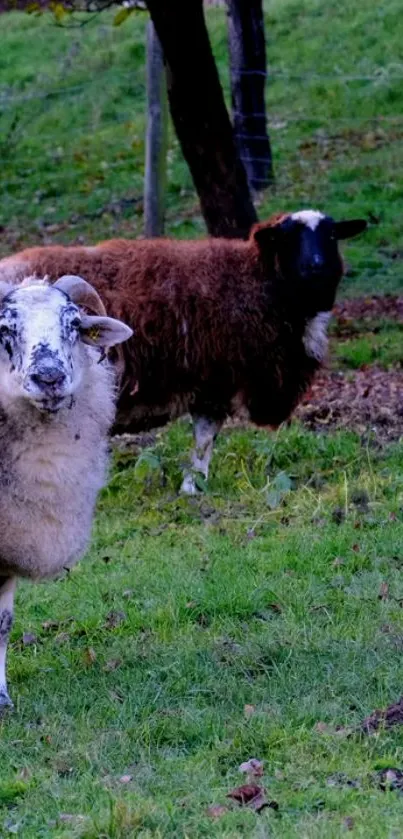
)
(156, 137)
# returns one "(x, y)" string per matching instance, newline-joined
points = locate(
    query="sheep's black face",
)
(305, 250)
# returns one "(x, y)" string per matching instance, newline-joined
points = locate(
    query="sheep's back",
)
(191, 304)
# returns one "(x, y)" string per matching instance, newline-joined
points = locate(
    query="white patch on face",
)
(315, 336)
(39, 308)
(310, 218)
(41, 339)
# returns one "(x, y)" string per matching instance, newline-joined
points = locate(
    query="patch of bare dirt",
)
(327, 145)
(360, 400)
(369, 399)
(383, 718)
(361, 313)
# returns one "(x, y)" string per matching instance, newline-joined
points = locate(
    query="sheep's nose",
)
(48, 377)
(317, 263)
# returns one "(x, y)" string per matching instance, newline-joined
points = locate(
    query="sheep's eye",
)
(4, 331)
(75, 323)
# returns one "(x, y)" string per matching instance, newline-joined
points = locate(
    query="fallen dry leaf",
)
(275, 607)
(47, 625)
(360, 499)
(323, 728)
(112, 664)
(116, 696)
(383, 592)
(29, 638)
(114, 619)
(70, 818)
(89, 656)
(338, 515)
(391, 778)
(344, 731)
(63, 767)
(62, 638)
(203, 620)
(339, 779)
(337, 562)
(215, 811)
(249, 710)
(253, 767)
(348, 823)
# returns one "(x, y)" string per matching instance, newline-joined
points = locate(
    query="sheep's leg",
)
(205, 431)
(7, 589)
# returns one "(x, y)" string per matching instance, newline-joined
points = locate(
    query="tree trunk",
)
(247, 50)
(201, 119)
(156, 138)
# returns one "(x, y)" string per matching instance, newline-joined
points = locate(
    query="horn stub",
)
(81, 293)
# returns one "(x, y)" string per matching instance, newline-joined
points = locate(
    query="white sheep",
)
(57, 404)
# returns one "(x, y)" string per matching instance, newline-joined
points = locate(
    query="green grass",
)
(72, 126)
(383, 347)
(130, 697)
(184, 612)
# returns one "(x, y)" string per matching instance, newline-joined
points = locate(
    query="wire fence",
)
(74, 152)
(393, 72)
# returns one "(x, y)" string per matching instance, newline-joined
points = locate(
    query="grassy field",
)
(72, 127)
(264, 619)
(200, 633)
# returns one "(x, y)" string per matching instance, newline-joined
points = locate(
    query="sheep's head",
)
(43, 332)
(303, 247)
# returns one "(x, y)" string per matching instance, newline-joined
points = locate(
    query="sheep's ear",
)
(350, 228)
(263, 236)
(266, 233)
(103, 332)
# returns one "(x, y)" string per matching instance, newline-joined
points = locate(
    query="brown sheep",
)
(218, 324)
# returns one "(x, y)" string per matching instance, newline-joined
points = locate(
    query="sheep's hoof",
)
(5, 702)
(189, 486)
